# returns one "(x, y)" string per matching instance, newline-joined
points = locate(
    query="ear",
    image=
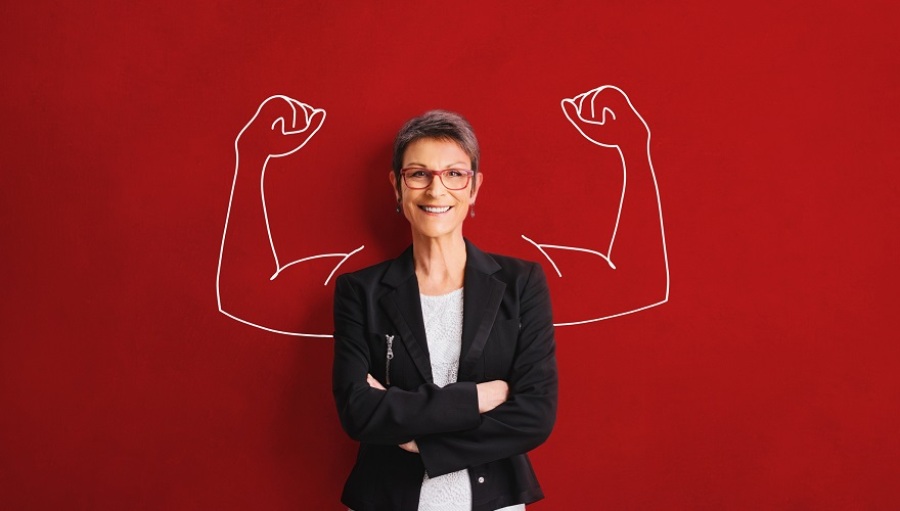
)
(479, 177)
(393, 179)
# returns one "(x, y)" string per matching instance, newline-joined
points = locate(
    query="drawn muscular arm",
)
(627, 271)
(252, 285)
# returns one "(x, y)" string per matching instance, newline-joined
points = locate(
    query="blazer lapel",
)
(403, 307)
(481, 301)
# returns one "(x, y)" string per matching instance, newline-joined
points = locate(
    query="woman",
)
(444, 365)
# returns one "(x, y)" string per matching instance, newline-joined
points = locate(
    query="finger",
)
(303, 111)
(613, 100)
(596, 106)
(375, 384)
(315, 119)
(280, 110)
(602, 106)
(570, 110)
(299, 114)
(581, 102)
(312, 117)
(289, 117)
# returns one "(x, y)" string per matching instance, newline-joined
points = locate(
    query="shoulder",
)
(505, 268)
(525, 277)
(514, 265)
(368, 274)
(361, 283)
(391, 272)
(525, 285)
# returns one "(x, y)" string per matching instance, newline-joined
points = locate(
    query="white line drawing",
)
(576, 107)
(301, 134)
(288, 125)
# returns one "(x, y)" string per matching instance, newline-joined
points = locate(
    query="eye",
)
(416, 174)
(455, 173)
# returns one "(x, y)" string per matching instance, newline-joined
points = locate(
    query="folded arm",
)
(525, 420)
(392, 416)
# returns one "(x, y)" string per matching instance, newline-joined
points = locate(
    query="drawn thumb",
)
(570, 110)
(316, 118)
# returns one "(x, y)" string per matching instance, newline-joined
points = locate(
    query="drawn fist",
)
(606, 117)
(281, 126)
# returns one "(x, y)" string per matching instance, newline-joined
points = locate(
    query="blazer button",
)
(480, 480)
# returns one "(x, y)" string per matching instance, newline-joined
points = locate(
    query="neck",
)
(440, 264)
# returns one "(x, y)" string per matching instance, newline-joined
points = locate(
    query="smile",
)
(435, 209)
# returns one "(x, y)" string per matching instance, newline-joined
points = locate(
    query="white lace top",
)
(443, 316)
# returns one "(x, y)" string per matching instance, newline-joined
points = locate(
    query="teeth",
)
(433, 209)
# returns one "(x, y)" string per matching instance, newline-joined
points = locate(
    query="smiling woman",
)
(436, 208)
(444, 366)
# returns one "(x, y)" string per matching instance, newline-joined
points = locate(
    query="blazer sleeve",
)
(525, 420)
(394, 416)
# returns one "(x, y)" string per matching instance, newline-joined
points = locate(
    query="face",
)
(435, 211)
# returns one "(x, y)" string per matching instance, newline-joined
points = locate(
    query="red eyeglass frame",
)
(440, 174)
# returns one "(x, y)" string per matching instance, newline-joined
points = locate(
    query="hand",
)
(606, 117)
(491, 395)
(281, 126)
(375, 384)
(410, 446)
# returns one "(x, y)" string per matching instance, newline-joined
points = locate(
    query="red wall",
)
(768, 380)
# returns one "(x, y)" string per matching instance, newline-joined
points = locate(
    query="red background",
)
(769, 381)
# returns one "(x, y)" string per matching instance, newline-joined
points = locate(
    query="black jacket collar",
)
(482, 296)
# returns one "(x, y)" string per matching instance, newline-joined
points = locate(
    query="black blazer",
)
(507, 334)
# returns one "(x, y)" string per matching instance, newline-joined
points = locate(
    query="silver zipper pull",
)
(390, 355)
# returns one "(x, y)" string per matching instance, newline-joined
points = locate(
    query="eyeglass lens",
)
(451, 178)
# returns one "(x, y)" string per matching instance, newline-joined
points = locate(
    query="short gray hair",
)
(438, 125)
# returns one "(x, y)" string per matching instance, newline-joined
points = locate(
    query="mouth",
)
(435, 210)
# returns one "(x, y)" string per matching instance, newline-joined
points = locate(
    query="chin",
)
(435, 233)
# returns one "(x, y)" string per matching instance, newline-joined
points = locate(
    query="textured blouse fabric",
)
(443, 317)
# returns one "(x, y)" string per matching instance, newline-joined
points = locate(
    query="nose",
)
(436, 188)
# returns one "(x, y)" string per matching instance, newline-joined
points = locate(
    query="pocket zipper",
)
(390, 355)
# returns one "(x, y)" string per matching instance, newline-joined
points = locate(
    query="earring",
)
(472, 211)
(398, 207)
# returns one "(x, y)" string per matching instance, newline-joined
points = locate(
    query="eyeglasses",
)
(452, 179)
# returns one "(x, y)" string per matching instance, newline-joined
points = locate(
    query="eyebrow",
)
(415, 164)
